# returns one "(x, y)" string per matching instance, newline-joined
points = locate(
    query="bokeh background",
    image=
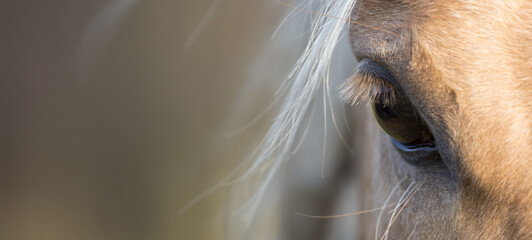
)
(115, 114)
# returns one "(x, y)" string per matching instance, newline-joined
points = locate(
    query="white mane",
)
(309, 76)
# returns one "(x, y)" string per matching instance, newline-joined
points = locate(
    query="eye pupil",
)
(384, 111)
(401, 121)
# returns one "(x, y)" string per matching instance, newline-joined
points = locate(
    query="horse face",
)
(464, 67)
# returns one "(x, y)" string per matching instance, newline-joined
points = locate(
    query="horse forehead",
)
(461, 38)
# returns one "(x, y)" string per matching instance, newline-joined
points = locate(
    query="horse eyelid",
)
(364, 85)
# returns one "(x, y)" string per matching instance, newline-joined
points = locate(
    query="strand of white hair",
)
(308, 77)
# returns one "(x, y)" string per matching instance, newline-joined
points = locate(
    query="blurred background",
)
(116, 114)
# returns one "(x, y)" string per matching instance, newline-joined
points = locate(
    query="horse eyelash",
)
(364, 85)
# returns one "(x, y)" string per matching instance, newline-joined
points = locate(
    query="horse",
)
(441, 149)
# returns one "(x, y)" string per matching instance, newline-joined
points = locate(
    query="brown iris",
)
(401, 121)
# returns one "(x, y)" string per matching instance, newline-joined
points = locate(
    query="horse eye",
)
(401, 121)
